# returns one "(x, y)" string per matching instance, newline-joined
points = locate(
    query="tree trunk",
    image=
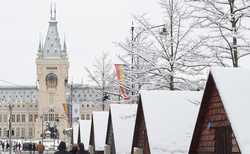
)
(234, 34)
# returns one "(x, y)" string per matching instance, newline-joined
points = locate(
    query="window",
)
(35, 117)
(23, 132)
(13, 118)
(0, 132)
(5, 132)
(30, 132)
(0, 118)
(30, 118)
(17, 132)
(5, 118)
(87, 117)
(23, 117)
(56, 116)
(45, 117)
(18, 118)
(51, 117)
(51, 80)
(83, 117)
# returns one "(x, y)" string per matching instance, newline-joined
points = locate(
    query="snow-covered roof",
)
(85, 127)
(123, 120)
(170, 118)
(233, 85)
(100, 121)
(75, 127)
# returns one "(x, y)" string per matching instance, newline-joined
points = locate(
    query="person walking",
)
(19, 146)
(40, 147)
(7, 146)
(3, 145)
(74, 149)
(62, 148)
(82, 149)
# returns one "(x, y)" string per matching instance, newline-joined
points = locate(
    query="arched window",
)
(51, 80)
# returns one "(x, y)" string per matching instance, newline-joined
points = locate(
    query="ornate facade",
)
(35, 107)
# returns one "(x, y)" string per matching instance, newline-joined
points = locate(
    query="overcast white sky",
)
(91, 26)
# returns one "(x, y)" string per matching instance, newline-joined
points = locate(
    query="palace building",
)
(34, 108)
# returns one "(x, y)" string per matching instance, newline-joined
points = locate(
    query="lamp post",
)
(134, 37)
(42, 135)
(10, 128)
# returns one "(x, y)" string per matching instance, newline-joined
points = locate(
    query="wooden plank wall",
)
(214, 112)
(140, 134)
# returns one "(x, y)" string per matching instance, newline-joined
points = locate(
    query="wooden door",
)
(223, 137)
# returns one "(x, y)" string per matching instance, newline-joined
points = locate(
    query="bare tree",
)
(177, 61)
(226, 27)
(102, 75)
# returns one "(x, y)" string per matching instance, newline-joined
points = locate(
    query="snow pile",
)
(123, 120)
(85, 127)
(233, 85)
(170, 118)
(100, 120)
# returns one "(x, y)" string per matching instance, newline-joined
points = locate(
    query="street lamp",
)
(134, 37)
(42, 134)
(10, 127)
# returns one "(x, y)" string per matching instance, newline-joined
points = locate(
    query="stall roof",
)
(75, 127)
(233, 85)
(123, 120)
(170, 118)
(85, 127)
(100, 121)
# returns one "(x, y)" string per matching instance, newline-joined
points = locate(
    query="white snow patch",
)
(170, 118)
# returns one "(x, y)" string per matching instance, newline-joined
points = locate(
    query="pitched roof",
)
(85, 127)
(233, 85)
(100, 121)
(123, 120)
(170, 119)
(75, 127)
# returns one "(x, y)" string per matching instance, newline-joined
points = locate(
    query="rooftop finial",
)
(64, 46)
(40, 43)
(55, 10)
(51, 12)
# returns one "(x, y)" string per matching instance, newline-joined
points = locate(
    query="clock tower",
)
(52, 78)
